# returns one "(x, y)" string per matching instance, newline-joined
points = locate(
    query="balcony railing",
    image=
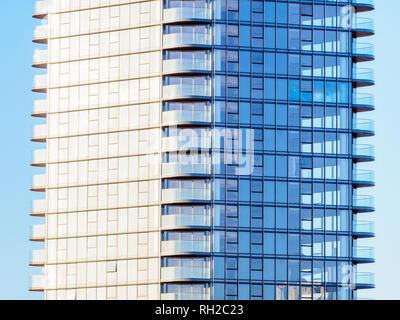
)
(40, 58)
(366, 227)
(366, 2)
(184, 273)
(41, 33)
(185, 195)
(39, 133)
(175, 40)
(364, 203)
(363, 254)
(361, 151)
(363, 77)
(171, 15)
(363, 125)
(366, 99)
(183, 91)
(365, 176)
(37, 283)
(181, 169)
(186, 66)
(40, 83)
(39, 108)
(38, 232)
(178, 247)
(38, 258)
(363, 23)
(39, 158)
(185, 296)
(362, 48)
(38, 207)
(179, 221)
(41, 9)
(364, 279)
(39, 182)
(175, 117)
(185, 143)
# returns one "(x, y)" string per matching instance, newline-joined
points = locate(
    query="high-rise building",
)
(203, 149)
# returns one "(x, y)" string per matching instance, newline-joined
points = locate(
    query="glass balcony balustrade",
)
(363, 176)
(39, 182)
(40, 58)
(185, 143)
(185, 296)
(184, 91)
(41, 9)
(38, 232)
(175, 117)
(363, 23)
(363, 77)
(41, 33)
(364, 279)
(366, 227)
(37, 283)
(185, 195)
(183, 14)
(182, 247)
(38, 207)
(39, 133)
(39, 108)
(363, 99)
(363, 152)
(182, 221)
(39, 158)
(363, 201)
(363, 49)
(37, 258)
(184, 274)
(176, 40)
(40, 83)
(182, 169)
(365, 2)
(173, 66)
(363, 254)
(364, 125)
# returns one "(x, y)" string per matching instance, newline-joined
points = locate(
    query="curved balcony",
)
(363, 178)
(363, 52)
(186, 117)
(363, 102)
(185, 247)
(363, 128)
(363, 229)
(363, 77)
(38, 232)
(180, 221)
(170, 144)
(40, 59)
(38, 208)
(37, 283)
(39, 158)
(363, 204)
(185, 296)
(185, 170)
(363, 27)
(179, 274)
(39, 183)
(186, 92)
(37, 258)
(364, 280)
(39, 133)
(40, 83)
(185, 195)
(363, 255)
(39, 108)
(41, 34)
(363, 153)
(184, 40)
(41, 9)
(187, 15)
(363, 5)
(186, 66)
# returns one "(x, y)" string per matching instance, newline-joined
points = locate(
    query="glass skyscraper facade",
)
(204, 149)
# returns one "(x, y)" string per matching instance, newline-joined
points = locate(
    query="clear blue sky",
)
(16, 125)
